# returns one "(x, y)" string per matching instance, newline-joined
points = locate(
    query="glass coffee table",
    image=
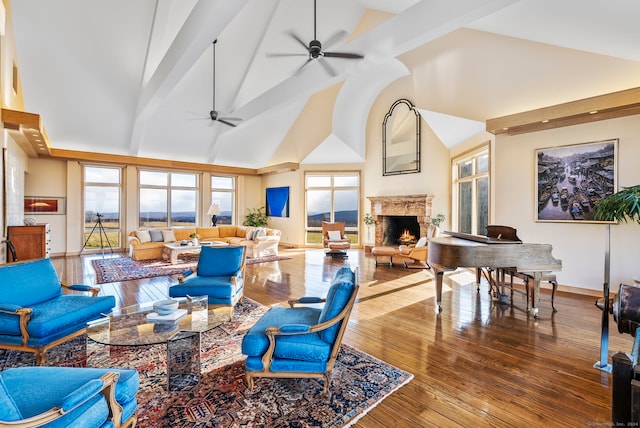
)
(129, 326)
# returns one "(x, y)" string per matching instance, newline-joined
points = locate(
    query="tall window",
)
(102, 205)
(332, 197)
(168, 198)
(223, 194)
(471, 192)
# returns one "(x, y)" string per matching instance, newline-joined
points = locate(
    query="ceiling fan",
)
(315, 51)
(213, 114)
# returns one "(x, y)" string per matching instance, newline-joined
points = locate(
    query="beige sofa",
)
(260, 242)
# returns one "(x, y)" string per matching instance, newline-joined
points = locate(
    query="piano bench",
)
(384, 252)
(526, 278)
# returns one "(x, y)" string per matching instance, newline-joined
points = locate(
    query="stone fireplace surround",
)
(405, 205)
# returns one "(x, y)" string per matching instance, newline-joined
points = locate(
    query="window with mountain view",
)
(168, 198)
(332, 197)
(471, 192)
(223, 194)
(102, 201)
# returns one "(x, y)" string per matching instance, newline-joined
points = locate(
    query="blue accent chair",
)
(35, 315)
(219, 275)
(301, 342)
(68, 397)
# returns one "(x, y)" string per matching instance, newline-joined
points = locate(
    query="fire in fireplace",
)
(400, 230)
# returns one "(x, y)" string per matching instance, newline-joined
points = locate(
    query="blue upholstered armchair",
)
(34, 313)
(301, 342)
(219, 274)
(68, 397)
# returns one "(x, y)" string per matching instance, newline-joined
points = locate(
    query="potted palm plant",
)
(621, 206)
(256, 217)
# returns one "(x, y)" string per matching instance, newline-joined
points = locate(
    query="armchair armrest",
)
(184, 275)
(419, 253)
(306, 300)
(82, 394)
(9, 308)
(81, 287)
(290, 329)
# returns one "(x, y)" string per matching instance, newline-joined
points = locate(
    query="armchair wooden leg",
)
(41, 356)
(250, 382)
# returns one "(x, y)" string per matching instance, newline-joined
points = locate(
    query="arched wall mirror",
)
(401, 139)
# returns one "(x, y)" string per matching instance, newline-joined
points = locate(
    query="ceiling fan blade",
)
(299, 70)
(230, 118)
(226, 123)
(326, 66)
(346, 55)
(335, 38)
(272, 55)
(298, 39)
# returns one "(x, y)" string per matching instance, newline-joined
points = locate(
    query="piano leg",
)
(537, 276)
(439, 273)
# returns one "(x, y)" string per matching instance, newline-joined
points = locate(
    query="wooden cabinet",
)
(30, 242)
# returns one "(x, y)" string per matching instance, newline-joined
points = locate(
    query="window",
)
(168, 198)
(223, 194)
(471, 192)
(102, 204)
(332, 197)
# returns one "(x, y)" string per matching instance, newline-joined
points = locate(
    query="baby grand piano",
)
(500, 248)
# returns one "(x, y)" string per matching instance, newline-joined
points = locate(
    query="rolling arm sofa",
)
(147, 243)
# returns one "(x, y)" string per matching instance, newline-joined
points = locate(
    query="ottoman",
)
(338, 249)
(384, 252)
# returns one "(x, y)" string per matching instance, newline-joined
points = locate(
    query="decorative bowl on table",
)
(165, 307)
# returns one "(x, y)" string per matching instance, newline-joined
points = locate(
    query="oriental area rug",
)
(126, 269)
(221, 399)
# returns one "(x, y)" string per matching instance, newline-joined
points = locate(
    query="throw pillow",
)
(334, 235)
(421, 242)
(143, 236)
(259, 232)
(250, 234)
(168, 235)
(156, 235)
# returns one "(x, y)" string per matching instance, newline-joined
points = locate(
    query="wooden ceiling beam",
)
(602, 107)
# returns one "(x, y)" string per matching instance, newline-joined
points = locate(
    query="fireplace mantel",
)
(404, 205)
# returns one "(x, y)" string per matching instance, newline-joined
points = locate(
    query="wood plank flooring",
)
(476, 364)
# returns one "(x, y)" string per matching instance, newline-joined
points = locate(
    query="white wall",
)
(433, 177)
(581, 247)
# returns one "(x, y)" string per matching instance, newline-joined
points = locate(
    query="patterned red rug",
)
(221, 399)
(126, 269)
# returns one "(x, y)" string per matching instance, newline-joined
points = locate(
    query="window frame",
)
(169, 188)
(351, 231)
(474, 178)
(120, 185)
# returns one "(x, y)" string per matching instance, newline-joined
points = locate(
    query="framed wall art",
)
(44, 205)
(277, 201)
(571, 179)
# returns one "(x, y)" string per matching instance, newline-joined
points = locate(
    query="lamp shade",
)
(214, 209)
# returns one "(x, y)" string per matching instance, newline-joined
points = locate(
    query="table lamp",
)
(214, 211)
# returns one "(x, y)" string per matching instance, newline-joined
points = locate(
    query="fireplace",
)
(394, 214)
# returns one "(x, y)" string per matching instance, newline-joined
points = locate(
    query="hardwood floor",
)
(477, 363)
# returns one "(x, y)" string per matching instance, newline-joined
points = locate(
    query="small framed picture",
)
(44, 205)
(570, 180)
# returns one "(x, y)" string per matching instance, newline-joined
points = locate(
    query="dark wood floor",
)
(478, 363)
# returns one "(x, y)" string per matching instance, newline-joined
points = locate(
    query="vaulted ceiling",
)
(134, 78)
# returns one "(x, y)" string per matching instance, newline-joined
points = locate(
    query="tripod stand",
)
(101, 232)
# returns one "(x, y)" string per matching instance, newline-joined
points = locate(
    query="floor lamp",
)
(214, 212)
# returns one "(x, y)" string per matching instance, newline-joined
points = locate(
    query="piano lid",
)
(495, 235)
